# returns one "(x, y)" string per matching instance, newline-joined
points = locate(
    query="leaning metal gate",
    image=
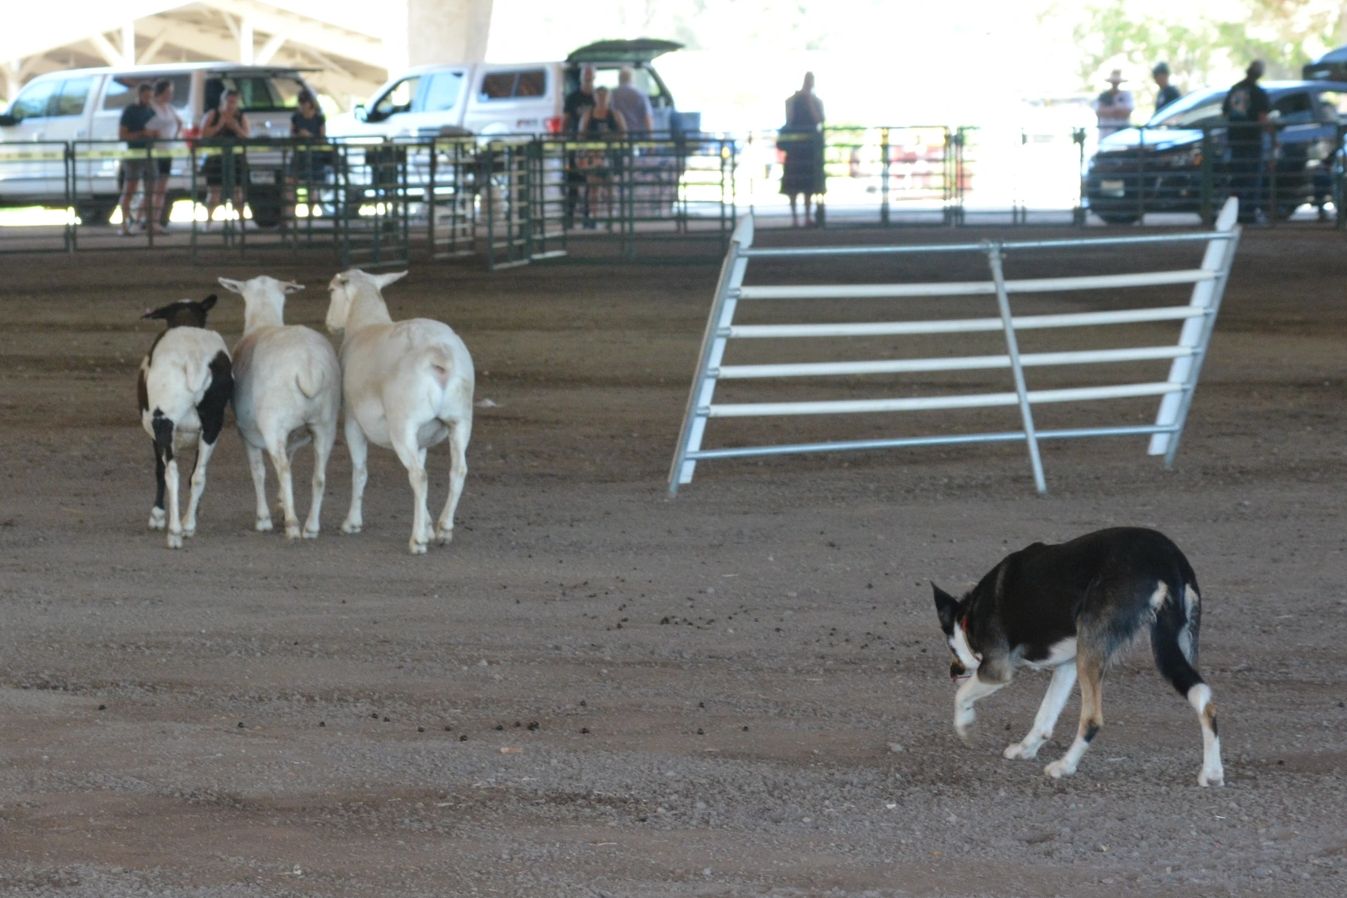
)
(1176, 391)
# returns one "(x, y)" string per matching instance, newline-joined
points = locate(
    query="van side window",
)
(74, 93)
(443, 91)
(34, 100)
(255, 94)
(511, 83)
(120, 92)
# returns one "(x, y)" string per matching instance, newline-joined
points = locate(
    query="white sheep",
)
(184, 387)
(406, 386)
(287, 392)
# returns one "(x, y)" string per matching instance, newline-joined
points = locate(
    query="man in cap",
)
(1168, 93)
(1113, 107)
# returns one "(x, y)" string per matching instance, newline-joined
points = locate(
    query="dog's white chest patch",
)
(1058, 654)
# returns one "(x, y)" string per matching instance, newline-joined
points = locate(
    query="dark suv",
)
(1161, 166)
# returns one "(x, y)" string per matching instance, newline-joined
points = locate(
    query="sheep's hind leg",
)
(413, 459)
(257, 465)
(203, 453)
(157, 510)
(323, 439)
(285, 487)
(358, 446)
(459, 433)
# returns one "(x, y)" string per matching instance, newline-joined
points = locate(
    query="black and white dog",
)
(1074, 608)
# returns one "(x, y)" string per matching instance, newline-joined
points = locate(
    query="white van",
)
(489, 99)
(87, 104)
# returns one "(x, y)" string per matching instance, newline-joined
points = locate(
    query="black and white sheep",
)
(184, 389)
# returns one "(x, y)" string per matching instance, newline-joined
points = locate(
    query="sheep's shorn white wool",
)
(406, 385)
(287, 392)
(184, 387)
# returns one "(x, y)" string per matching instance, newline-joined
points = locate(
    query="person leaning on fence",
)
(134, 128)
(801, 140)
(222, 127)
(601, 123)
(1113, 107)
(308, 166)
(1167, 93)
(1246, 107)
(577, 101)
(167, 125)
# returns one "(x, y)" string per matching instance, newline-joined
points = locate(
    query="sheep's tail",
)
(311, 381)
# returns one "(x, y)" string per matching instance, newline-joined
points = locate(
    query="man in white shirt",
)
(1113, 107)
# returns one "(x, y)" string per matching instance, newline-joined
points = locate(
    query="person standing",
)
(167, 125)
(577, 102)
(600, 123)
(801, 139)
(1167, 93)
(633, 105)
(308, 166)
(1113, 107)
(224, 126)
(1246, 109)
(134, 128)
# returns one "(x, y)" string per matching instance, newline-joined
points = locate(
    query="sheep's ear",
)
(231, 285)
(209, 302)
(291, 286)
(383, 280)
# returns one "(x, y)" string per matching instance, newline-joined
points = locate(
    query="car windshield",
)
(1192, 111)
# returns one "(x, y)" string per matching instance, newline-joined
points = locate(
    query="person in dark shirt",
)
(133, 127)
(1246, 109)
(1168, 93)
(308, 125)
(577, 103)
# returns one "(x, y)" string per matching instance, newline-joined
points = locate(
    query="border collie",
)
(1074, 608)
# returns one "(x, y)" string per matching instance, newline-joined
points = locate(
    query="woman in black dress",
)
(802, 141)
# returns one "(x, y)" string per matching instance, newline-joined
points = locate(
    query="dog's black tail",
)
(1174, 633)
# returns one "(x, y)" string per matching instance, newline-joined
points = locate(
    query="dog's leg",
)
(973, 690)
(1213, 774)
(1091, 672)
(1174, 641)
(1059, 690)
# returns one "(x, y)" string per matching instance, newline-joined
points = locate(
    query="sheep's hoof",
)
(263, 525)
(157, 519)
(175, 540)
(444, 535)
(189, 532)
(310, 533)
(350, 527)
(292, 531)
(418, 547)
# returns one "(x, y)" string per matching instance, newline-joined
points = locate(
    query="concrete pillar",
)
(445, 31)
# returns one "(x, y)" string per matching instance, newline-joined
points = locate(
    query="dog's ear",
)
(947, 607)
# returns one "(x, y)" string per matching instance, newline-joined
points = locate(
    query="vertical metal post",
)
(68, 157)
(712, 351)
(1013, 348)
(884, 176)
(1196, 334)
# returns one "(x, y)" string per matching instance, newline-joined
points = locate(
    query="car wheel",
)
(1119, 218)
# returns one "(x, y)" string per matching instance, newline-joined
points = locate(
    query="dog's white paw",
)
(1025, 751)
(157, 519)
(963, 721)
(1211, 777)
(1058, 769)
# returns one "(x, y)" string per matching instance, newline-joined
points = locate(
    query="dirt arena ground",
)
(598, 690)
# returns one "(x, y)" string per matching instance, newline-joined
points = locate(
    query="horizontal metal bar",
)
(978, 288)
(902, 442)
(960, 325)
(960, 363)
(931, 403)
(1010, 246)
